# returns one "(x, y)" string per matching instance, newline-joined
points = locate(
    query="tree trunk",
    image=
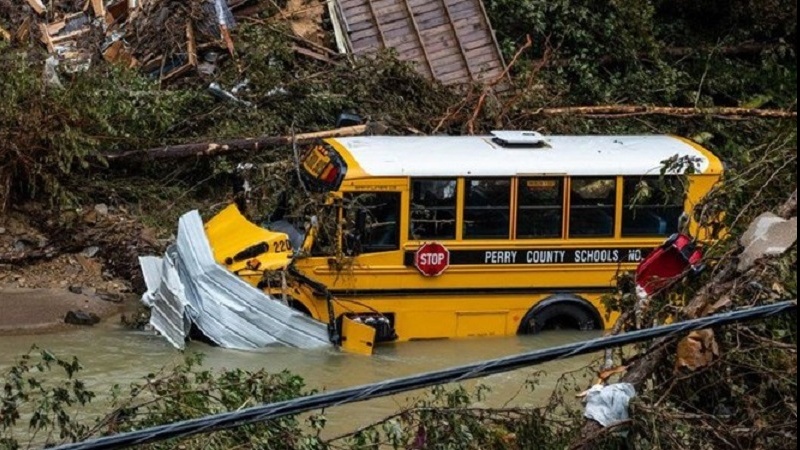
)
(231, 145)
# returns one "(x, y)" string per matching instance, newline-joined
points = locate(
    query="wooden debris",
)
(118, 52)
(233, 145)
(99, 8)
(24, 31)
(313, 55)
(5, 34)
(37, 6)
(191, 44)
(116, 12)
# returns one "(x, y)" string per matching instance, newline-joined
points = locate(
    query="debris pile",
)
(96, 248)
(163, 38)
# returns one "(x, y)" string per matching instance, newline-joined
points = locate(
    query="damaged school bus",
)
(443, 237)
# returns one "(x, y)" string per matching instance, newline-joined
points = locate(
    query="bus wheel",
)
(559, 316)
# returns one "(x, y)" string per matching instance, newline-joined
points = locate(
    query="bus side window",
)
(433, 209)
(540, 207)
(486, 208)
(381, 229)
(591, 209)
(651, 206)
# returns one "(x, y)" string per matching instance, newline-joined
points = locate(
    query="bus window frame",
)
(655, 181)
(614, 234)
(508, 208)
(563, 205)
(457, 209)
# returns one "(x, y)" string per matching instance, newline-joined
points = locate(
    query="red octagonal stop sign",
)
(431, 259)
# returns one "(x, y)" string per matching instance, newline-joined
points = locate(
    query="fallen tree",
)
(235, 145)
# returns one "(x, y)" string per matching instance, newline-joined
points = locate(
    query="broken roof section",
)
(450, 41)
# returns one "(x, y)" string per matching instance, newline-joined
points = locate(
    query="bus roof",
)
(476, 156)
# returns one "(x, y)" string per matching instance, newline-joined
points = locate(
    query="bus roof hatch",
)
(518, 139)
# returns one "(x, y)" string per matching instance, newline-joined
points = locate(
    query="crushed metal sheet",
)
(188, 286)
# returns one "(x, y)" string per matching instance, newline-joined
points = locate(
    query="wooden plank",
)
(454, 58)
(439, 30)
(404, 23)
(467, 14)
(373, 9)
(480, 51)
(369, 38)
(378, 5)
(368, 33)
(99, 8)
(409, 48)
(400, 32)
(459, 6)
(71, 35)
(423, 8)
(431, 16)
(477, 60)
(469, 27)
(401, 44)
(455, 32)
(475, 43)
(5, 34)
(347, 4)
(362, 25)
(454, 78)
(421, 42)
(440, 49)
(355, 10)
(191, 43)
(392, 18)
(37, 6)
(362, 17)
(393, 9)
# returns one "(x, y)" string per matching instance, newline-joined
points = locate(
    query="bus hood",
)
(206, 279)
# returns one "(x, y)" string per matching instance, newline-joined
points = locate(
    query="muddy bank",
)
(43, 310)
(85, 263)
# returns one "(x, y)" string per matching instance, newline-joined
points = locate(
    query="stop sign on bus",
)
(431, 259)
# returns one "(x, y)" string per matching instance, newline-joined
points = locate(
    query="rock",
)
(21, 245)
(81, 318)
(767, 235)
(91, 251)
(101, 209)
(109, 297)
(2, 230)
(76, 289)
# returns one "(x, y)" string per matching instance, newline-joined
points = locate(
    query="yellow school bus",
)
(513, 232)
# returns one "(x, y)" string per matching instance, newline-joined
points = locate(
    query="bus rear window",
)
(651, 206)
(323, 169)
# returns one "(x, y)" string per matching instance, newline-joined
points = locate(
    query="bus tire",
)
(556, 313)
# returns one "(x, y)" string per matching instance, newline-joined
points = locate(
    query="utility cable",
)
(275, 410)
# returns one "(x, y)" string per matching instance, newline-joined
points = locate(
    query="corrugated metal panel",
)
(189, 286)
(447, 40)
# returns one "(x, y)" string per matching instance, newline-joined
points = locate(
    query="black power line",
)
(360, 393)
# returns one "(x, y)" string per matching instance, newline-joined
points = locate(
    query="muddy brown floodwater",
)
(112, 354)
